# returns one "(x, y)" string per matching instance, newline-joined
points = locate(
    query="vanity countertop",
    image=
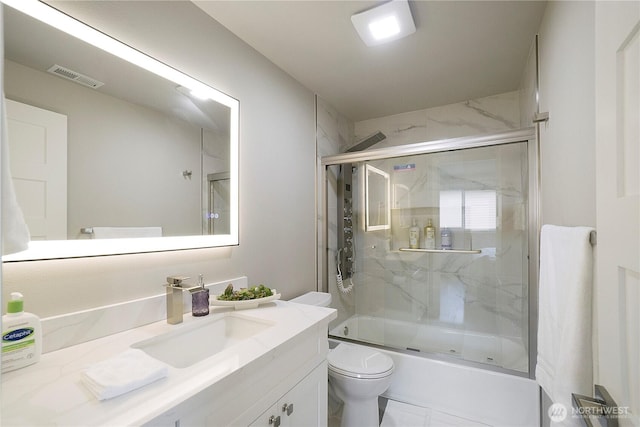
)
(51, 391)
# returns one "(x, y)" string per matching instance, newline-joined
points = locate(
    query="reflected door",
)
(38, 150)
(218, 216)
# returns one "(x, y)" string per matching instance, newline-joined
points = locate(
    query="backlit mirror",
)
(377, 191)
(113, 152)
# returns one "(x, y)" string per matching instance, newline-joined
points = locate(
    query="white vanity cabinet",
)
(242, 385)
(303, 405)
(294, 373)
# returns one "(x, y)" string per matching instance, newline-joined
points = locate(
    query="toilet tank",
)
(321, 299)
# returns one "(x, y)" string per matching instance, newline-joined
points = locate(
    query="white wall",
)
(567, 140)
(277, 170)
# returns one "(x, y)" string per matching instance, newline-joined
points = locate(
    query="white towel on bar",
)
(125, 232)
(127, 371)
(15, 233)
(565, 362)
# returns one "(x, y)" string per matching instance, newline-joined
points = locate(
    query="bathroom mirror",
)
(377, 191)
(142, 141)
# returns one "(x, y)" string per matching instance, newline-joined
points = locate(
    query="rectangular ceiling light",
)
(387, 22)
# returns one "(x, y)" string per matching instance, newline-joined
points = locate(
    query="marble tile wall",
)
(473, 117)
(334, 135)
(484, 292)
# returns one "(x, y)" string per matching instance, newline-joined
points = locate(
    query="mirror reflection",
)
(102, 148)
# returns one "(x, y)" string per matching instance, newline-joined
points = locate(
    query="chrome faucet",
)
(174, 298)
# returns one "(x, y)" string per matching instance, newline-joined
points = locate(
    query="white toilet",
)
(357, 374)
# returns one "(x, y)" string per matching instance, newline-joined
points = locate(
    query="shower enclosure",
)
(470, 297)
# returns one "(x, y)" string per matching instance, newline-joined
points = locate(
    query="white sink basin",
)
(190, 344)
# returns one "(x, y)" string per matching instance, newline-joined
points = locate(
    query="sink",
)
(194, 342)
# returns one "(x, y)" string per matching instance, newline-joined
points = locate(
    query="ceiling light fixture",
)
(387, 22)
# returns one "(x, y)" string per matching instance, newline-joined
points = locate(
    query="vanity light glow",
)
(71, 26)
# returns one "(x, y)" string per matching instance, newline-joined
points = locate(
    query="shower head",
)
(368, 142)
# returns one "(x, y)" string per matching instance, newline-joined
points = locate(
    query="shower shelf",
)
(443, 251)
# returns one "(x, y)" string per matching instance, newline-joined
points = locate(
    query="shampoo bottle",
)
(429, 236)
(21, 336)
(446, 238)
(414, 235)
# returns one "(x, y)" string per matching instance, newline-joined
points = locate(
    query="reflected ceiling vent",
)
(74, 76)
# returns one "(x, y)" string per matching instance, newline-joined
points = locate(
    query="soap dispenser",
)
(21, 336)
(200, 299)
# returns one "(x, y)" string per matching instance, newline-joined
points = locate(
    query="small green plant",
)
(252, 292)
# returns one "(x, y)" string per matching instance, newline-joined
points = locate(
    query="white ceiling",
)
(461, 50)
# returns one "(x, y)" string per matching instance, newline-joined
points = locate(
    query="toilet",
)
(357, 374)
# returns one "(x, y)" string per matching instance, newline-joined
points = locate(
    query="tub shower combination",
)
(469, 304)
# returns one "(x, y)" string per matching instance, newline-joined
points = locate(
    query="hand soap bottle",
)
(414, 235)
(21, 336)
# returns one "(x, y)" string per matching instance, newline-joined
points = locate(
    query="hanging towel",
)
(124, 232)
(565, 362)
(15, 233)
(127, 371)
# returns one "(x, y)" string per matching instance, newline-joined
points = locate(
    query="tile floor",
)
(398, 414)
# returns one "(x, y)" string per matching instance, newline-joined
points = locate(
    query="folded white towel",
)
(564, 363)
(127, 371)
(125, 232)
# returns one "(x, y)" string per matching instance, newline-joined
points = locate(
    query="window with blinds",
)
(468, 209)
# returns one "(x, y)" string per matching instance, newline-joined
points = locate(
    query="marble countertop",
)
(51, 391)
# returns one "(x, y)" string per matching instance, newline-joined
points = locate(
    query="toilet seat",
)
(359, 362)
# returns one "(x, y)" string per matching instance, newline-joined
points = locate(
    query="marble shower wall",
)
(334, 133)
(484, 293)
(473, 117)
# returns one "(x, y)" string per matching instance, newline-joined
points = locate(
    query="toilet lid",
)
(359, 362)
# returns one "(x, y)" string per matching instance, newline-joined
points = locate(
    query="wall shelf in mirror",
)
(443, 251)
(133, 82)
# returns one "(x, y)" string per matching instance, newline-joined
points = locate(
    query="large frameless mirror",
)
(113, 152)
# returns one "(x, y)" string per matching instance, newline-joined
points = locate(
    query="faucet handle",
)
(176, 280)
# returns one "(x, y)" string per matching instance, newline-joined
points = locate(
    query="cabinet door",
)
(304, 405)
(270, 418)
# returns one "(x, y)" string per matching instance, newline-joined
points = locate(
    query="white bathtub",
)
(506, 352)
(484, 396)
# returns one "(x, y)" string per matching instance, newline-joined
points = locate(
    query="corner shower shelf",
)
(443, 251)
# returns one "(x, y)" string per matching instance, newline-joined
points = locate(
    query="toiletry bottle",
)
(414, 235)
(21, 336)
(429, 236)
(200, 300)
(446, 238)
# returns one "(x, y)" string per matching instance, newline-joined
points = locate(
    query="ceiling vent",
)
(75, 76)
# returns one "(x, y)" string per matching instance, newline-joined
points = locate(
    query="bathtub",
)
(481, 395)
